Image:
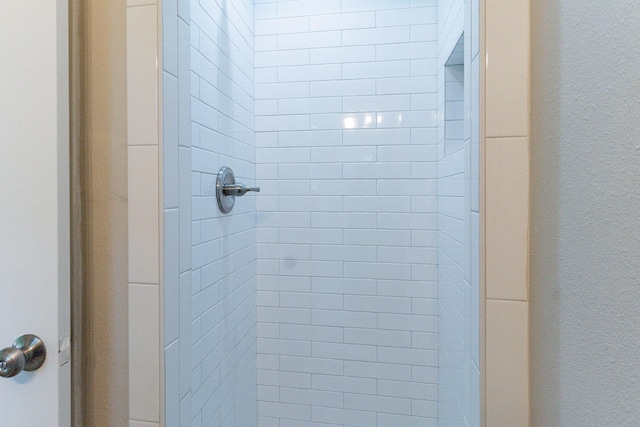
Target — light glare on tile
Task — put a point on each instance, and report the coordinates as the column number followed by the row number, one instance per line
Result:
column 349, row 123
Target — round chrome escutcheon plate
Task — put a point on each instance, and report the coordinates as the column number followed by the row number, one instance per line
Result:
column 225, row 177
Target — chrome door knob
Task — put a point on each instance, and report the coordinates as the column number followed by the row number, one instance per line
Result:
column 27, row 353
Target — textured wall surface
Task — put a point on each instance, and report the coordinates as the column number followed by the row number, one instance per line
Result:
column 346, row 153
column 585, row 237
column 105, row 335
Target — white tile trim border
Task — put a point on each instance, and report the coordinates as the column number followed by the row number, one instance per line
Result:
column 504, row 85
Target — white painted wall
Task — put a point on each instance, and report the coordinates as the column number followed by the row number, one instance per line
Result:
column 585, row 298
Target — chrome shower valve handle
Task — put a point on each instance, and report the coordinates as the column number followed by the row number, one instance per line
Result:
column 238, row 190
column 227, row 189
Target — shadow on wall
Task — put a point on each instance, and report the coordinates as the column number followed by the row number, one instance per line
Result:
column 585, row 297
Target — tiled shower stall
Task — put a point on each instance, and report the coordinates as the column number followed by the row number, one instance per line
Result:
column 345, row 293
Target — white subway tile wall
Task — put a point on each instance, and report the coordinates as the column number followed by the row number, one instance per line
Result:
column 346, row 133
column 224, row 245
column 176, row 149
column 458, row 215
column 210, row 258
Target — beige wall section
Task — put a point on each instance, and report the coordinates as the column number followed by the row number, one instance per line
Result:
column 145, row 216
column 104, row 164
column 505, row 211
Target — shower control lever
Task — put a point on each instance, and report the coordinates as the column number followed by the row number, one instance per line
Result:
column 238, row 190
column 227, row 189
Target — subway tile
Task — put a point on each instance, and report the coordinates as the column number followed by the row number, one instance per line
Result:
column 344, row 154
column 343, row 21
column 410, row 390
column 343, row 253
column 407, row 17
column 283, row 123
column 363, row 70
column 275, row 409
column 308, row 7
column 377, row 270
column 313, row 138
column 370, row 103
column 341, row 121
column 327, row 187
column 402, row 187
column 404, row 322
column 424, row 32
column 406, row 119
column 343, row 87
column 390, row 52
column 344, row 416
column 395, row 85
column 343, row 318
column 377, row 337
column 307, row 73
column 311, row 268
column 346, row 286
column 265, row 44
column 311, row 170
column 281, row 26
column 341, row 55
column 309, row 40
column 391, row 420
column 344, row 384
column 310, row 203
column 377, row 204
column 315, row 333
column 378, row 371
column 310, row 235
column 381, row 170
column 284, row 347
column 282, row 58
column 376, row 36
column 342, row 220
column 344, row 351
column 358, row 5
column 282, row 90
column 265, row 11
column 377, row 237
column 311, row 397
column 283, row 378
column 380, row 403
